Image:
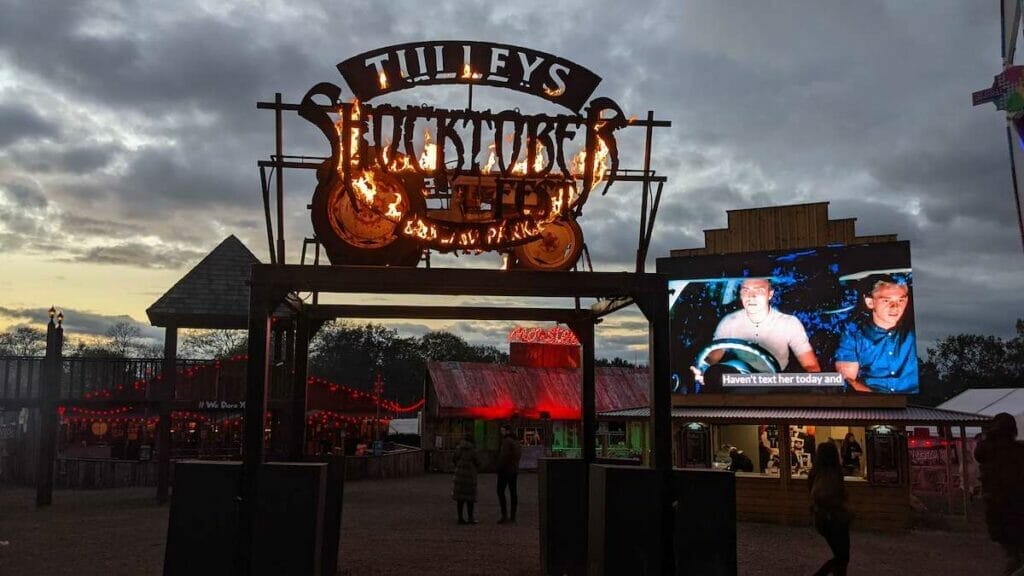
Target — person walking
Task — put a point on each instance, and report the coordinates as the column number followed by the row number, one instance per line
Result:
column 828, row 506
column 1000, row 459
column 508, row 473
column 464, row 490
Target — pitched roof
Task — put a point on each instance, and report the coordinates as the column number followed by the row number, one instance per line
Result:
column 502, row 391
column 736, row 415
column 214, row 294
column 990, row 401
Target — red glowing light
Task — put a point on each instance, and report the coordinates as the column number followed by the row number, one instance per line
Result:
column 553, row 335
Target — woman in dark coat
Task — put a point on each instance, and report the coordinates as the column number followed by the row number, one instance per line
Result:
column 464, row 489
column 828, row 504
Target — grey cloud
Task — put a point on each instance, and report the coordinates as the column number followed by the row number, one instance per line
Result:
column 138, row 255
column 19, row 122
column 25, row 194
column 76, row 160
column 863, row 104
column 80, row 322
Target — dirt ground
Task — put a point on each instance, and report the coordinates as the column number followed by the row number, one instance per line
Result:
column 407, row 526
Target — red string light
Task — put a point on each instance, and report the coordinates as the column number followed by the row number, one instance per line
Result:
column 194, row 371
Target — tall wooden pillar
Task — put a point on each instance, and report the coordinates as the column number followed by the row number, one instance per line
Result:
column 165, row 395
column 653, row 302
column 661, row 378
column 300, row 366
column 584, row 330
column 49, row 391
column 257, row 380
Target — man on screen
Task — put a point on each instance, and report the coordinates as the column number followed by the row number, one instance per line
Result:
column 765, row 326
column 878, row 351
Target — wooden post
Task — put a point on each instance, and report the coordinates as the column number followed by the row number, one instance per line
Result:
column 257, row 378
column 165, row 394
column 49, row 390
column 947, row 437
column 300, row 366
column 660, row 389
column 653, row 302
column 584, row 330
column 964, row 486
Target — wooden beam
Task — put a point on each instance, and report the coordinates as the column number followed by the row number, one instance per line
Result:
column 455, row 281
column 330, row 311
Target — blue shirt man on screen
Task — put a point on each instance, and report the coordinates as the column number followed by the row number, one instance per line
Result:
column 879, row 353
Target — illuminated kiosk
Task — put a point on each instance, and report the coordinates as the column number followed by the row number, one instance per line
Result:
column 384, row 196
column 734, row 384
column 536, row 395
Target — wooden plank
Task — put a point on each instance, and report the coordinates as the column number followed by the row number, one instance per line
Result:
column 330, row 311
column 454, row 282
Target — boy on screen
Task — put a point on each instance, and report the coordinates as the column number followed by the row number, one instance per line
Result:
column 878, row 351
column 761, row 324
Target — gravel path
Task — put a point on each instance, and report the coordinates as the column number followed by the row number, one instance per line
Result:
column 407, row 526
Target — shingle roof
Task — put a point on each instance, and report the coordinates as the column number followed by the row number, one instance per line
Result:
column 499, row 391
column 909, row 415
column 214, row 294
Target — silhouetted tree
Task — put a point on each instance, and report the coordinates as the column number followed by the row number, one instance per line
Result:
column 213, row 343
column 614, row 363
column 23, row 341
column 964, row 361
column 125, row 338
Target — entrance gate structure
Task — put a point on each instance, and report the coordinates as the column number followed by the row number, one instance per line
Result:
column 385, row 201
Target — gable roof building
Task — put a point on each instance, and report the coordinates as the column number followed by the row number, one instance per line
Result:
column 213, row 294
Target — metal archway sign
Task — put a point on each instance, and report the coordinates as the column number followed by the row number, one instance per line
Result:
column 400, row 180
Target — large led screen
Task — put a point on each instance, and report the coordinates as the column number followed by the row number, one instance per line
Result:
column 838, row 317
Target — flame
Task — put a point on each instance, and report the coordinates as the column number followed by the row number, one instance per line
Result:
column 559, row 201
column 578, row 165
column 365, row 187
column 491, row 160
column 538, row 161
column 468, row 74
column 371, row 193
column 393, row 213
column 428, row 159
column 383, row 80
column 353, row 145
column 554, row 92
column 420, row 229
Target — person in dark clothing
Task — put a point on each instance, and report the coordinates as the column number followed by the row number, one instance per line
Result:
column 464, row 488
column 851, row 455
column 828, row 506
column 1000, row 459
column 508, row 473
column 740, row 462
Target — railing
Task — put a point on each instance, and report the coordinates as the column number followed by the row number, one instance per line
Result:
column 130, row 380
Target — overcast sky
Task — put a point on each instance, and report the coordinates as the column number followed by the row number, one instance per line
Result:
column 129, row 134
